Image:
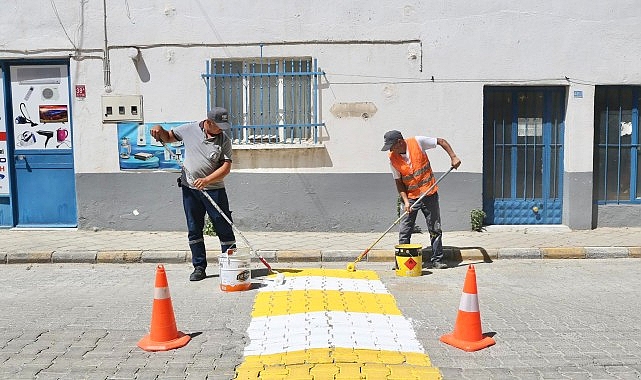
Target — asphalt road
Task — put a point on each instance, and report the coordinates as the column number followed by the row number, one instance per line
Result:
column 551, row 319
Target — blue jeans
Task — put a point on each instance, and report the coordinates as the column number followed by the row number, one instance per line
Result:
column 196, row 206
column 430, row 208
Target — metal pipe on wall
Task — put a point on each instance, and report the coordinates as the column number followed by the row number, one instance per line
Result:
column 105, row 64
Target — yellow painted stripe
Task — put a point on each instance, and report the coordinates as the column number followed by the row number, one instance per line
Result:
column 306, row 301
column 339, row 355
column 339, row 362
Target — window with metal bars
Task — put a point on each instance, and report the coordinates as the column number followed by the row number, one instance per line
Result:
column 269, row 100
column 617, row 152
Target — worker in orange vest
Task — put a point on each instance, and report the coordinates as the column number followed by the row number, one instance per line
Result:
column 413, row 176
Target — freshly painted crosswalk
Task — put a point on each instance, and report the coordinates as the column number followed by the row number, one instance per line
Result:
column 331, row 324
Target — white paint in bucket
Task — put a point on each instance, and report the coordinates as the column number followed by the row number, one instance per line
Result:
column 235, row 272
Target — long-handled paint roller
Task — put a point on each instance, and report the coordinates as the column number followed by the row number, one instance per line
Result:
column 280, row 277
column 351, row 267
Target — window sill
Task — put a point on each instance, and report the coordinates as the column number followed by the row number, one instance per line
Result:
column 276, row 146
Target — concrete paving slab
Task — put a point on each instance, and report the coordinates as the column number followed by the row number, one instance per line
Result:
column 119, row 256
column 38, row 257
column 605, row 252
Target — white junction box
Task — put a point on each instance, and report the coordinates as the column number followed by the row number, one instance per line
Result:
column 117, row 108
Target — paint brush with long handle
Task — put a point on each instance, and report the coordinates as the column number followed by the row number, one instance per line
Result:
column 351, row 267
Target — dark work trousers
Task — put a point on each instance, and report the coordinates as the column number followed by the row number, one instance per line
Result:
column 430, row 208
column 196, row 205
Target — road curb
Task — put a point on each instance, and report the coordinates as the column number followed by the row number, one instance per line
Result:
column 35, row 257
column 563, row 253
column 606, row 252
column 284, row 256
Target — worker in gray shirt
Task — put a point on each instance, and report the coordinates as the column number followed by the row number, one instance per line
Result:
column 208, row 158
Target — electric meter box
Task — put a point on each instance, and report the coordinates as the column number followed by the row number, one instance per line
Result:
column 116, row 108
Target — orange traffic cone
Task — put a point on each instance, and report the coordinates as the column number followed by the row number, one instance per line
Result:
column 467, row 333
column 164, row 335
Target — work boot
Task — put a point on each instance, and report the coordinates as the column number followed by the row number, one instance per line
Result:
column 439, row 265
column 198, row 274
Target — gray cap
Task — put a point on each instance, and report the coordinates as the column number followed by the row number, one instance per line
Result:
column 391, row 137
column 219, row 116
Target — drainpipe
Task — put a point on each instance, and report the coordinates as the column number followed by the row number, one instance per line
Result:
column 105, row 62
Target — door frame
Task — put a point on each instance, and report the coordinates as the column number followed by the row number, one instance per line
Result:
column 525, row 209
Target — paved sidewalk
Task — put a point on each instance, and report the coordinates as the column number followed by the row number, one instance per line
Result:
column 523, row 242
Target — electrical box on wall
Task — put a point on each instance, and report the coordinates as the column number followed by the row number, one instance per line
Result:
column 117, row 108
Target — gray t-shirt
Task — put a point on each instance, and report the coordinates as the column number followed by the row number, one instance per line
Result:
column 202, row 155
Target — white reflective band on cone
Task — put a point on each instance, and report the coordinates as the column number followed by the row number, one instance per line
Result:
column 161, row 293
column 469, row 303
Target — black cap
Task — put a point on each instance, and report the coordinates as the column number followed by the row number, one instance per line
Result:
column 219, row 116
column 391, row 137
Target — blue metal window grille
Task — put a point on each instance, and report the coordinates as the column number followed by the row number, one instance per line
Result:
column 617, row 151
column 269, row 100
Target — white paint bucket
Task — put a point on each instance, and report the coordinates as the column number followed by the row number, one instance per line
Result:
column 235, row 272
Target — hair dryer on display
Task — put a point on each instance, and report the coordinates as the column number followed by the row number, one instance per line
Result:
column 47, row 134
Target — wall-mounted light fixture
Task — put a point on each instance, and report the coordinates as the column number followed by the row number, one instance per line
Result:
column 135, row 54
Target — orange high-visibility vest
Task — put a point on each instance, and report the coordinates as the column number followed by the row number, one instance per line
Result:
column 417, row 177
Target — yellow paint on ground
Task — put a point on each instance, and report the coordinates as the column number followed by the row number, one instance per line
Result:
column 325, row 314
column 306, row 301
column 338, row 355
column 336, row 370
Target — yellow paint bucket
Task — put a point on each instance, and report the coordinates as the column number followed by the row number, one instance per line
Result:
column 409, row 259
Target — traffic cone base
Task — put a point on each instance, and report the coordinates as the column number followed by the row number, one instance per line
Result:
column 467, row 333
column 163, row 335
column 149, row 345
column 465, row 345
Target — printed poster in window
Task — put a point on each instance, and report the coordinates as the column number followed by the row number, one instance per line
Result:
column 138, row 150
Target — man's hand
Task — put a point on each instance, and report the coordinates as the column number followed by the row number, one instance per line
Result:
column 200, row 183
column 157, row 132
column 456, row 162
column 161, row 134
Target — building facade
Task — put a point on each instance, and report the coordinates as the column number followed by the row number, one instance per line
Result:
column 540, row 101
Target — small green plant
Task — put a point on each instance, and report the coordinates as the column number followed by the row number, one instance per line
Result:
column 209, row 229
column 476, row 218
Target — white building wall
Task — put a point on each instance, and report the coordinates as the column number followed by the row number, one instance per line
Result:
column 385, row 52
column 422, row 63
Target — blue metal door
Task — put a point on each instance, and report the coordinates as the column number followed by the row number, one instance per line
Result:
column 44, row 191
column 523, row 154
column 46, row 194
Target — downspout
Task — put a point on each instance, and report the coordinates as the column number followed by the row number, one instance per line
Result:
column 105, row 60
